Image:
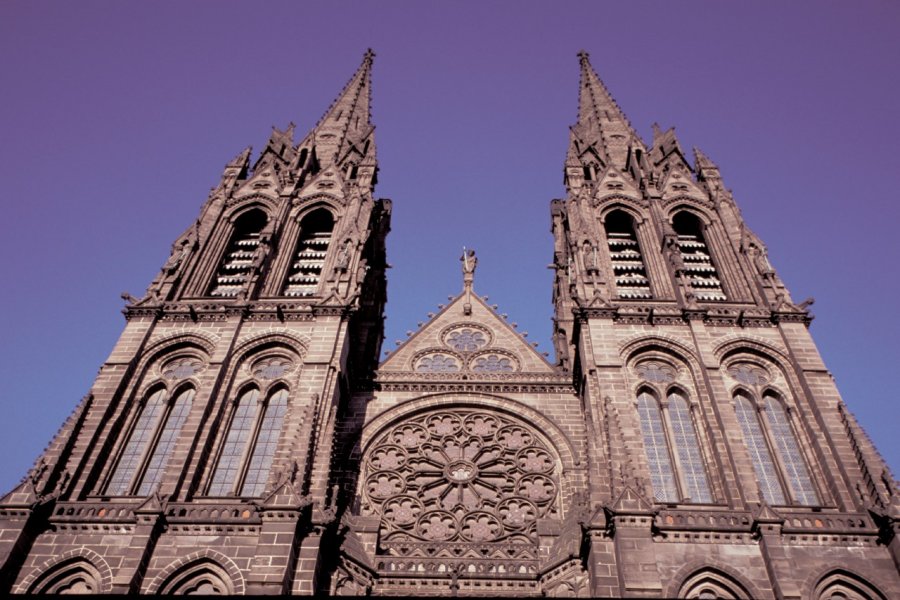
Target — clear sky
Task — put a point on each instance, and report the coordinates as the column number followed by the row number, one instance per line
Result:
column 117, row 118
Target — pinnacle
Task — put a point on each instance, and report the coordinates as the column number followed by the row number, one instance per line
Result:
column 701, row 161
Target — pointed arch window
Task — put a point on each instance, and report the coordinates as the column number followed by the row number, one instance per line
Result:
column 771, row 441
column 687, row 450
column 249, row 447
column 795, row 471
column 151, row 443
column 309, row 258
column 662, row 475
column 698, row 261
column 677, row 471
column 237, row 263
column 626, row 256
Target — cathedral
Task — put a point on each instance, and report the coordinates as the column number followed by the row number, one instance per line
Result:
column 243, row 438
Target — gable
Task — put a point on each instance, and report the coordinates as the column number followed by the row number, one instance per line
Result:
column 479, row 343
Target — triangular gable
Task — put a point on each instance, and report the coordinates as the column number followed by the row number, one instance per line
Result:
column 614, row 182
column 481, row 338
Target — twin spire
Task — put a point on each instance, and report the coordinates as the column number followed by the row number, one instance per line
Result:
column 603, row 136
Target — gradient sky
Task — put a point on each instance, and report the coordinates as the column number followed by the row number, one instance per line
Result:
column 117, row 118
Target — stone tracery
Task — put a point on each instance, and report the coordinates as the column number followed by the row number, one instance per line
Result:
column 461, row 476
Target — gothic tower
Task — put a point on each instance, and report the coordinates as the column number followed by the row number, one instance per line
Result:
column 724, row 460
column 200, row 459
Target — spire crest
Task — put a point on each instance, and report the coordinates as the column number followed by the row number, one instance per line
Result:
column 601, row 123
column 348, row 120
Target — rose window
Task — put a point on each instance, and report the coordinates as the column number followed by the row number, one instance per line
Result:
column 437, row 363
column 466, row 339
column 467, row 476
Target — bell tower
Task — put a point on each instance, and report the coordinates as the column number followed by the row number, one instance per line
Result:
column 710, row 413
column 199, row 461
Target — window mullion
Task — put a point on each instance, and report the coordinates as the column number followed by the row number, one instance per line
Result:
column 250, row 446
column 673, row 451
column 773, row 451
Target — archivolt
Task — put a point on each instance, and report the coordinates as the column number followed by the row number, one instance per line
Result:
column 821, row 585
column 630, row 348
column 222, row 567
column 736, row 342
column 555, row 436
column 207, row 342
column 694, row 576
column 298, row 343
column 71, row 559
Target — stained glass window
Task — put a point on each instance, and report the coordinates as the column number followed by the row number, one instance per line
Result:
column 662, row 476
column 266, row 443
column 493, row 363
column 137, row 443
column 437, row 363
column 466, row 339
column 166, row 443
column 690, row 460
column 796, row 472
column 755, row 440
column 239, row 431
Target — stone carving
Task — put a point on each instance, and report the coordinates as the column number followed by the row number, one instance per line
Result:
column 461, row 476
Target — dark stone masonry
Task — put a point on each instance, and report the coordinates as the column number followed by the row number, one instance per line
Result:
column 242, row 437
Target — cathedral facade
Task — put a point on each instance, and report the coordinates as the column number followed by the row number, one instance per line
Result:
column 242, row 437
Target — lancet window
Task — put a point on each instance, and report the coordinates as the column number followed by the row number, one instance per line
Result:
column 249, row 448
column 699, row 267
column 677, row 471
column 236, row 266
column 150, row 444
column 309, row 258
column 776, row 456
column 625, row 254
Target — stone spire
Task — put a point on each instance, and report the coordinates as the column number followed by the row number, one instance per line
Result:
column 346, row 125
column 602, row 129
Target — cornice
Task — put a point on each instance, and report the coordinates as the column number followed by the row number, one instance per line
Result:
column 218, row 310
column 511, row 383
column 715, row 316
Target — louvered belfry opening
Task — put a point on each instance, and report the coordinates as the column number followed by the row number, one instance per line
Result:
column 698, row 262
column 627, row 259
column 312, row 248
column 237, row 263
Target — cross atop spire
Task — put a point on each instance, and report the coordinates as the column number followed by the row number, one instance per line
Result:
column 601, row 123
column 346, row 123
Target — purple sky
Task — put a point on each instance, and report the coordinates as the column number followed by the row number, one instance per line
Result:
column 119, row 116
